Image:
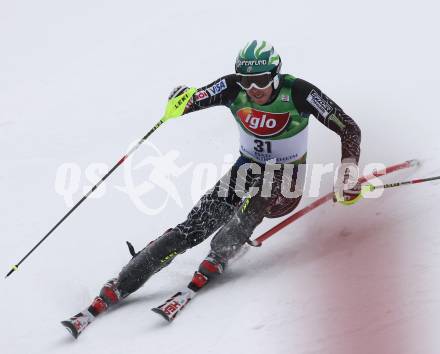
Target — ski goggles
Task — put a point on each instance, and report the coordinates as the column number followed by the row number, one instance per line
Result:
column 258, row 81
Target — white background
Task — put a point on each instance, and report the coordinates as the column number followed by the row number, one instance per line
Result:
column 80, row 80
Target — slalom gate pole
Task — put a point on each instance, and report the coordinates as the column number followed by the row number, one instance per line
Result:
column 260, row 239
column 119, row 163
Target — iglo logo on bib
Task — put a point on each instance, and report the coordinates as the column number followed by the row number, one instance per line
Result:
column 262, row 123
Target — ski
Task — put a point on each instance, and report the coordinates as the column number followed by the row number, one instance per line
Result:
column 176, row 303
column 76, row 324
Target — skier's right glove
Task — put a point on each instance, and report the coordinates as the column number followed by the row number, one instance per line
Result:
column 177, row 102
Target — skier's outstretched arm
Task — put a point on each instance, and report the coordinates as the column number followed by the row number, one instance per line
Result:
column 311, row 100
column 221, row 92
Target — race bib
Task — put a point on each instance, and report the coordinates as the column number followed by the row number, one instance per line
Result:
column 283, row 150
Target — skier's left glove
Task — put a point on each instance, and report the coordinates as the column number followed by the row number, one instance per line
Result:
column 177, row 102
column 347, row 188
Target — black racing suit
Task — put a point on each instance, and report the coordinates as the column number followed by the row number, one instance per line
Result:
column 221, row 209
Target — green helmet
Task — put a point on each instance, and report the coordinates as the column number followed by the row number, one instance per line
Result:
column 258, row 57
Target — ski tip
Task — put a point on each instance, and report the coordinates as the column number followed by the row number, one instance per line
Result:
column 162, row 314
column 70, row 328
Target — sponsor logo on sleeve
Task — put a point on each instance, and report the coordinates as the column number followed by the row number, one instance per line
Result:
column 201, row 95
column 217, row 87
column 322, row 106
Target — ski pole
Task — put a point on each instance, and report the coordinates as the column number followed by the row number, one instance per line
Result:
column 329, row 196
column 174, row 109
column 119, row 163
column 367, row 188
column 370, row 187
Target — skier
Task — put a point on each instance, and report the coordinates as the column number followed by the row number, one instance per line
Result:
column 272, row 111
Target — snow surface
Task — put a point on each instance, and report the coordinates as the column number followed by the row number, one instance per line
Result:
column 81, row 80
